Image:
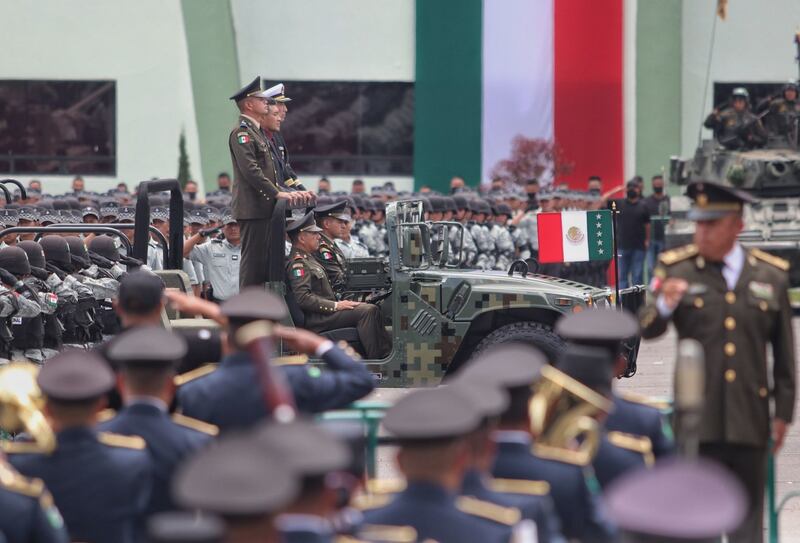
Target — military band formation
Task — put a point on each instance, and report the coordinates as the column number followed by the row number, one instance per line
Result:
column 113, row 437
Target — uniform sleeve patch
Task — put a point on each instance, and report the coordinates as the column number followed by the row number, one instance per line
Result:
column 298, row 272
column 242, row 138
column 327, row 255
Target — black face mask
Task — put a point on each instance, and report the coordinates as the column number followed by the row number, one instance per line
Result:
column 633, row 193
column 658, row 190
column 594, row 192
column 191, row 195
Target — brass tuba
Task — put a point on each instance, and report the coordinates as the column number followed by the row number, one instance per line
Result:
column 563, row 414
column 21, row 404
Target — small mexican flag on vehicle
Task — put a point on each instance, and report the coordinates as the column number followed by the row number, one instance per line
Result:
column 575, row 236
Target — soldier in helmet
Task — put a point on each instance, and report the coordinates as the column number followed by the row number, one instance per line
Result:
column 784, row 113
column 736, row 127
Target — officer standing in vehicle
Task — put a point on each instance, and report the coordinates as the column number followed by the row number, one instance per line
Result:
column 736, row 127
column 255, row 182
column 784, row 113
column 735, row 303
column 220, row 258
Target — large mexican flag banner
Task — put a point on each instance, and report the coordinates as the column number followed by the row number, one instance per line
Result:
column 575, row 236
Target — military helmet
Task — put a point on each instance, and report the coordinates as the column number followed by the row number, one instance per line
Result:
column 34, row 252
column 790, row 85
column 105, row 247
column 76, row 246
column 14, row 260
column 56, row 250
column 740, row 92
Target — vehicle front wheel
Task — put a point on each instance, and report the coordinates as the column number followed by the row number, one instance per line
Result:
column 537, row 334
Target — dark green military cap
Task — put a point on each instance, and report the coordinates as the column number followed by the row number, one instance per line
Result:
column 254, row 303
column 304, row 224
column 432, row 414
column 147, row 346
column 251, row 89
column 309, row 449
column 588, row 365
column 712, row 201
column 183, row 527
column 509, row 365
column 337, row 210
column 236, row 476
column 488, row 398
column 75, row 375
column 599, row 327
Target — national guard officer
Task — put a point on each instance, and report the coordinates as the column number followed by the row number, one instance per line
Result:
column 145, row 382
column 697, row 502
column 501, row 236
column 333, row 220
column 576, row 504
column 734, row 302
column 225, row 395
column 431, row 427
column 220, row 258
column 736, row 127
column 100, row 481
column 243, row 482
column 316, row 298
column 531, row 498
column 255, row 182
column 633, row 414
column 9, row 218
column 351, row 246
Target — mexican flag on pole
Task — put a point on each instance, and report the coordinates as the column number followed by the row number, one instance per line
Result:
column 575, row 236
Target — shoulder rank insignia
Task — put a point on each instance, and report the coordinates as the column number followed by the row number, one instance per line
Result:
column 547, row 452
column 12, row 480
column 119, row 440
column 673, row 256
column 106, row 415
column 389, row 534
column 520, row 486
column 385, row 486
column 290, row 360
column 22, row 447
column 778, row 262
column 490, row 511
column 638, row 444
column 365, row 502
column 195, row 424
column 632, row 397
column 196, row 373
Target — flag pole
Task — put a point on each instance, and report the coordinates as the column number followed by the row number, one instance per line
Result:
column 614, row 212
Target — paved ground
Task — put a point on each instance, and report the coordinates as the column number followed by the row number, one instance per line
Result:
column 654, row 378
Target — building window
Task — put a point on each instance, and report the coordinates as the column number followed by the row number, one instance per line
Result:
column 350, row 128
column 58, row 127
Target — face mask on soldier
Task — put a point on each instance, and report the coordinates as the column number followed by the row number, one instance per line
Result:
column 658, row 190
column 632, row 193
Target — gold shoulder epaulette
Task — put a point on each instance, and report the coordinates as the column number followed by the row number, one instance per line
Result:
column 520, row 486
column 196, row 373
column 365, row 502
column 673, row 256
column 291, row 360
column 12, row 480
column 488, row 510
column 347, row 539
column 119, row 440
column 776, row 261
column 21, row 447
column 106, row 414
column 195, row 424
column 639, row 444
column 388, row 534
column 661, row 405
column 385, row 486
column 547, row 452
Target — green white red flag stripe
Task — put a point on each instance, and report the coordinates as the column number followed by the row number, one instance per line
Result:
column 575, row 236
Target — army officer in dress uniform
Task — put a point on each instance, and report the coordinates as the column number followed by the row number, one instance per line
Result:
column 735, row 303
column 255, row 180
column 334, row 219
column 316, row 298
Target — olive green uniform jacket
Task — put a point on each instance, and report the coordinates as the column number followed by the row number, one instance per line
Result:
column 254, row 175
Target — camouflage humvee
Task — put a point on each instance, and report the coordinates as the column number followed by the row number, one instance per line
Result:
column 440, row 315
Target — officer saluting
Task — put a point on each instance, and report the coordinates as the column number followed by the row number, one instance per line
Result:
column 734, row 302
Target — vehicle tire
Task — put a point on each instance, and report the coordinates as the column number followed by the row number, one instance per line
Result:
column 537, row 334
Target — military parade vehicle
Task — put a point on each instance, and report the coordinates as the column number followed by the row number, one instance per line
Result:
column 771, row 174
column 441, row 315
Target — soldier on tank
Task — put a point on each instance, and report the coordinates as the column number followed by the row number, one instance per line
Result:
column 736, row 127
column 784, row 113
